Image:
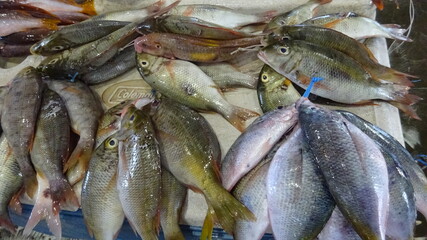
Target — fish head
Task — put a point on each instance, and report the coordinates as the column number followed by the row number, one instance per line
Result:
column 55, row 67
column 148, row 64
column 149, row 44
column 111, row 143
column 287, row 18
column 273, row 80
column 132, row 119
column 309, row 112
column 277, row 55
column 50, row 45
column 27, row 72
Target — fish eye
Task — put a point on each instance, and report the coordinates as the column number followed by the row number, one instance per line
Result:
column 264, row 78
column 283, row 50
column 53, row 61
column 286, row 38
column 132, row 117
column 144, row 63
column 282, row 22
column 158, row 46
column 111, row 143
column 57, row 48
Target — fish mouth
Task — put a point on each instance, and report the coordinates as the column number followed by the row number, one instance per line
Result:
column 263, row 57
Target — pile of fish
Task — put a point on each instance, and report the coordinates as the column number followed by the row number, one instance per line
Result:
column 303, row 170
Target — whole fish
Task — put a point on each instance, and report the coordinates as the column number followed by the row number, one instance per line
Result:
column 187, row 84
column 21, row 106
column 10, row 183
column 220, row 15
column 338, row 41
column 17, row 21
column 75, row 35
column 50, row 150
column 191, row 26
column 85, row 112
column 186, row 152
column 190, row 48
column 118, row 65
column 299, row 202
column 171, row 202
column 28, row 37
column 102, row 211
column 353, row 167
column 62, row 5
column 390, row 145
column 275, row 90
column 338, row 228
column 139, row 172
column 345, row 80
column 12, row 50
column 225, row 75
column 358, row 27
column 296, row 15
column 255, row 143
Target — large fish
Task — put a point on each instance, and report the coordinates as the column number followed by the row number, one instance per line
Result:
column 299, row 202
column 171, row 202
column 187, row 153
column 345, row 80
column 139, row 172
column 187, row 84
column 102, row 211
column 10, row 183
column 20, row 110
column 255, row 143
column 85, row 112
column 353, row 167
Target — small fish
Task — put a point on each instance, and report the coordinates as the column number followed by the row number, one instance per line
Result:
column 352, row 165
column 75, row 35
column 28, row 37
column 118, row 65
column 10, row 183
column 338, row 41
column 346, row 81
column 187, row 153
column 85, row 112
column 139, row 172
column 186, row 83
column 296, row 15
column 102, row 211
column 220, row 15
column 338, row 228
column 171, row 202
column 299, row 202
column 255, row 143
column 20, row 110
column 190, row 48
column 62, row 5
column 16, row 21
column 275, row 90
column 358, row 27
column 12, row 50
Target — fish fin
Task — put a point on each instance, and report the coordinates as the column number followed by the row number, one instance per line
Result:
column 401, row 95
column 364, row 103
column 81, row 155
column 30, row 185
column 134, row 229
column 194, row 189
column 408, row 110
column 208, row 224
column 394, row 76
column 88, row 7
column 62, row 195
column 227, row 208
column 7, row 224
column 14, row 203
column 304, row 79
column 73, row 90
column 379, row 4
column 331, row 24
column 50, row 24
column 155, row 7
column 396, row 32
column 238, row 117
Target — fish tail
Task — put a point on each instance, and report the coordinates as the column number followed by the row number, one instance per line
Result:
column 14, row 203
column 379, row 4
column 208, row 224
column 155, row 7
column 88, row 7
column 394, row 76
column 80, row 158
column 6, row 223
column 30, row 185
column 62, row 195
column 227, row 209
column 407, row 109
column 396, row 32
column 400, row 94
column 238, row 116
column 51, row 24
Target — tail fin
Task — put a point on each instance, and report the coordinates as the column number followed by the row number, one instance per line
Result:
column 50, row 24
column 62, row 195
column 227, row 208
column 408, row 110
column 6, row 223
column 396, row 32
column 400, row 94
column 208, row 224
column 394, row 76
column 30, row 185
column 15, row 204
column 379, row 4
column 238, row 116
column 80, row 157
column 88, row 7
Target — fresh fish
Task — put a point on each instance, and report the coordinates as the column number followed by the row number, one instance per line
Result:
column 118, row 65
column 27, row 37
column 85, row 112
column 220, row 15
column 187, row 84
column 255, row 143
column 191, row 26
column 139, row 172
column 353, row 167
column 275, row 90
column 21, row 106
column 102, row 211
column 190, row 48
column 50, row 151
column 390, row 145
column 17, row 21
column 75, row 35
column 338, row 228
column 171, row 202
column 338, row 41
column 62, row 5
column 345, row 80
column 225, row 75
column 358, row 27
column 299, row 202
column 10, row 183
column 12, row 50
column 296, row 15
column 186, row 152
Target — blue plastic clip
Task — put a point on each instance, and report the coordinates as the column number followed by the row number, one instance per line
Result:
column 312, row 82
column 419, row 159
column 73, row 78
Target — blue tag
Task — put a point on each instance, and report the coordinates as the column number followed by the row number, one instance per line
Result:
column 312, row 82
